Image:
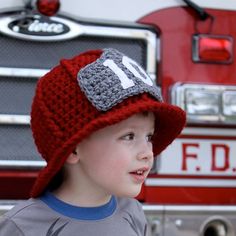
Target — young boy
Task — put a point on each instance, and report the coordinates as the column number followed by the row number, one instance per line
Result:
column 98, row 120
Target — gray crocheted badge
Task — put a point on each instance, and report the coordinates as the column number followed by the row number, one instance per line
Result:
column 112, row 78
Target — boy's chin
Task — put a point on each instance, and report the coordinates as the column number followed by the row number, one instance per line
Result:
column 132, row 193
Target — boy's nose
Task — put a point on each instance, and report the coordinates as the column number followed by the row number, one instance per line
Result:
column 145, row 152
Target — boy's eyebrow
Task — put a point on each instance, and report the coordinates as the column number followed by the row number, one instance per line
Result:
column 134, row 126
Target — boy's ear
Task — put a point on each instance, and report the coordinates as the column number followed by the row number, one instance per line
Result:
column 73, row 158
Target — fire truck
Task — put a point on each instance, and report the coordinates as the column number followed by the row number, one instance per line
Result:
column 187, row 47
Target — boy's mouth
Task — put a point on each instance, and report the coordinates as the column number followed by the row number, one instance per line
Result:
column 140, row 174
column 140, row 171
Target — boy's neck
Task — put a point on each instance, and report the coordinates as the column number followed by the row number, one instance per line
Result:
column 77, row 198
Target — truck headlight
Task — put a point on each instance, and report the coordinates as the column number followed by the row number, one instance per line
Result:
column 206, row 103
column 202, row 102
column 229, row 103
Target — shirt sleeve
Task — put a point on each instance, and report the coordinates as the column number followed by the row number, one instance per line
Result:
column 8, row 227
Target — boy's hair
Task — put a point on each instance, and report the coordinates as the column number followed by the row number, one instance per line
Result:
column 93, row 90
column 56, row 180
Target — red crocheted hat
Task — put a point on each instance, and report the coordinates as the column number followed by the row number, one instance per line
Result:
column 89, row 92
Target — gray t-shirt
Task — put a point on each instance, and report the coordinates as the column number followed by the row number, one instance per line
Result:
column 49, row 216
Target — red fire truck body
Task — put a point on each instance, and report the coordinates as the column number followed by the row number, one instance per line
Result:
column 188, row 48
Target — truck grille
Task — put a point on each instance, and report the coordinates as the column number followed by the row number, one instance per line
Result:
column 31, row 54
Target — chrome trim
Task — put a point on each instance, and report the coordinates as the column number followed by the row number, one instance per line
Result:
column 189, row 208
column 216, row 132
column 6, row 205
column 22, row 164
column 226, row 183
column 14, row 119
column 22, row 72
column 153, row 207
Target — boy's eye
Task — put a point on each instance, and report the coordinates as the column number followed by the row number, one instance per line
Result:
column 129, row 136
column 150, row 138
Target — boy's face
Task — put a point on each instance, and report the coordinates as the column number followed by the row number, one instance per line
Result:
column 117, row 159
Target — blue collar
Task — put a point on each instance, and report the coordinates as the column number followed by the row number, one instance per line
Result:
column 79, row 213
